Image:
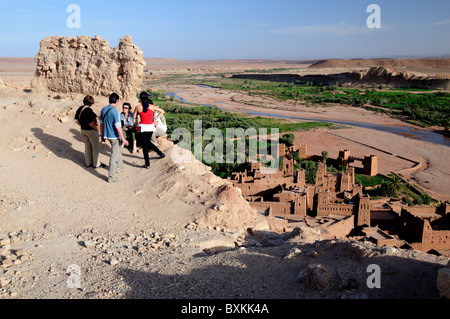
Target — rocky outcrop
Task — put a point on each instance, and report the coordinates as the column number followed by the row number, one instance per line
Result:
column 231, row 210
column 88, row 66
column 386, row 74
column 219, row 203
column 398, row 77
column 379, row 75
column 1, row 83
column 387, row 63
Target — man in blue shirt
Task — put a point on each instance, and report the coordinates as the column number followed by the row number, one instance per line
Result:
column 111, row 129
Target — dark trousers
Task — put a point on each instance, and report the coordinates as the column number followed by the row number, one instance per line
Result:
column 147, row 145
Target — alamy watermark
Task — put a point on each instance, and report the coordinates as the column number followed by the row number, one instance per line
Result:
column 74, row 280
column 230, row 148
column 374, row 20
column 374, row 279
column 74, row 20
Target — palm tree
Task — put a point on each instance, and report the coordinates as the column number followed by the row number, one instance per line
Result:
column 310, row 172
column 392, row 186
column 324, row 156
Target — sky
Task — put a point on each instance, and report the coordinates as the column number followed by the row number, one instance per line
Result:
column 236, row 29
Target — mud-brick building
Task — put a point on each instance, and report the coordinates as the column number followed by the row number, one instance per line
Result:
column 288, row 196
column 257, row 180
column 381, row 237
column 286, row 151
column 427, row 228
column 369, row 162
column 335, row 182
column 359, row 207
column 292, row 204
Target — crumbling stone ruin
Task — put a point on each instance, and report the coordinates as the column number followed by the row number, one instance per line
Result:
column 89, row 66
column 337, row 206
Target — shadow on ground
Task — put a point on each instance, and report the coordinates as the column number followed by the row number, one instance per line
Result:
column 105, row 149
column 264, row 273
column 63, row 149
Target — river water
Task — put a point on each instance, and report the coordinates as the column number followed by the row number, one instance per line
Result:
column 409, row 132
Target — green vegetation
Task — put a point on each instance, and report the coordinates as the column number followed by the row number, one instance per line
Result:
column 395, row 187
column 182, row 115
column 310, row 169
column 324, row 156
column 287, row 139
column 369, row 181
column 426, row 108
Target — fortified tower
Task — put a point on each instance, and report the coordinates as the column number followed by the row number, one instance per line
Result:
column 344, row 155
column 370, row 164
column 363, row 210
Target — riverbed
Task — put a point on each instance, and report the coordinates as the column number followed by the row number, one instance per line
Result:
column 403, row 130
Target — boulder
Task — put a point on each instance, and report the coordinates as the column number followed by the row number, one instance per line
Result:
column 317, row 277
column 304, row 234
column 89, row 66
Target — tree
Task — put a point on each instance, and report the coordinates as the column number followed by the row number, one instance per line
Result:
column 310, row 172
column 324, row 156
column 417, row 200
column 288, row 139
column 392, row 186
column 426, row 199
column 296, row 157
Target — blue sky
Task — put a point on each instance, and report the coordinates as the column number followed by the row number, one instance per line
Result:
column 237, row 29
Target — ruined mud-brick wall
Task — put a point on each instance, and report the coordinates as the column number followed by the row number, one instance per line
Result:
column 419, row 233
column 337, row 229
column 89, row 66
column 434, row 239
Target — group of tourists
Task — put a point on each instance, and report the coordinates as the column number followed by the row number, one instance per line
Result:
column 124, row 129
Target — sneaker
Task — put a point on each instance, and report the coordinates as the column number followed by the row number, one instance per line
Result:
column 100, row 166
column 162, row 155
column 113, row 179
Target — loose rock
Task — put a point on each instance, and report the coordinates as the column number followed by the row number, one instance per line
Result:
column 317, row 277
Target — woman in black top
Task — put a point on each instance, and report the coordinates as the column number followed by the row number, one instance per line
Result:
column 87, row 119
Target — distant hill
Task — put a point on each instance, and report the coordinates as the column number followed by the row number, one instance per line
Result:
column 387, row 63
column 156, row 61
column 161, row 61
column 17, row 61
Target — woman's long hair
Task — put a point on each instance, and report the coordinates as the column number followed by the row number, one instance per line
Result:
column 145, row 100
